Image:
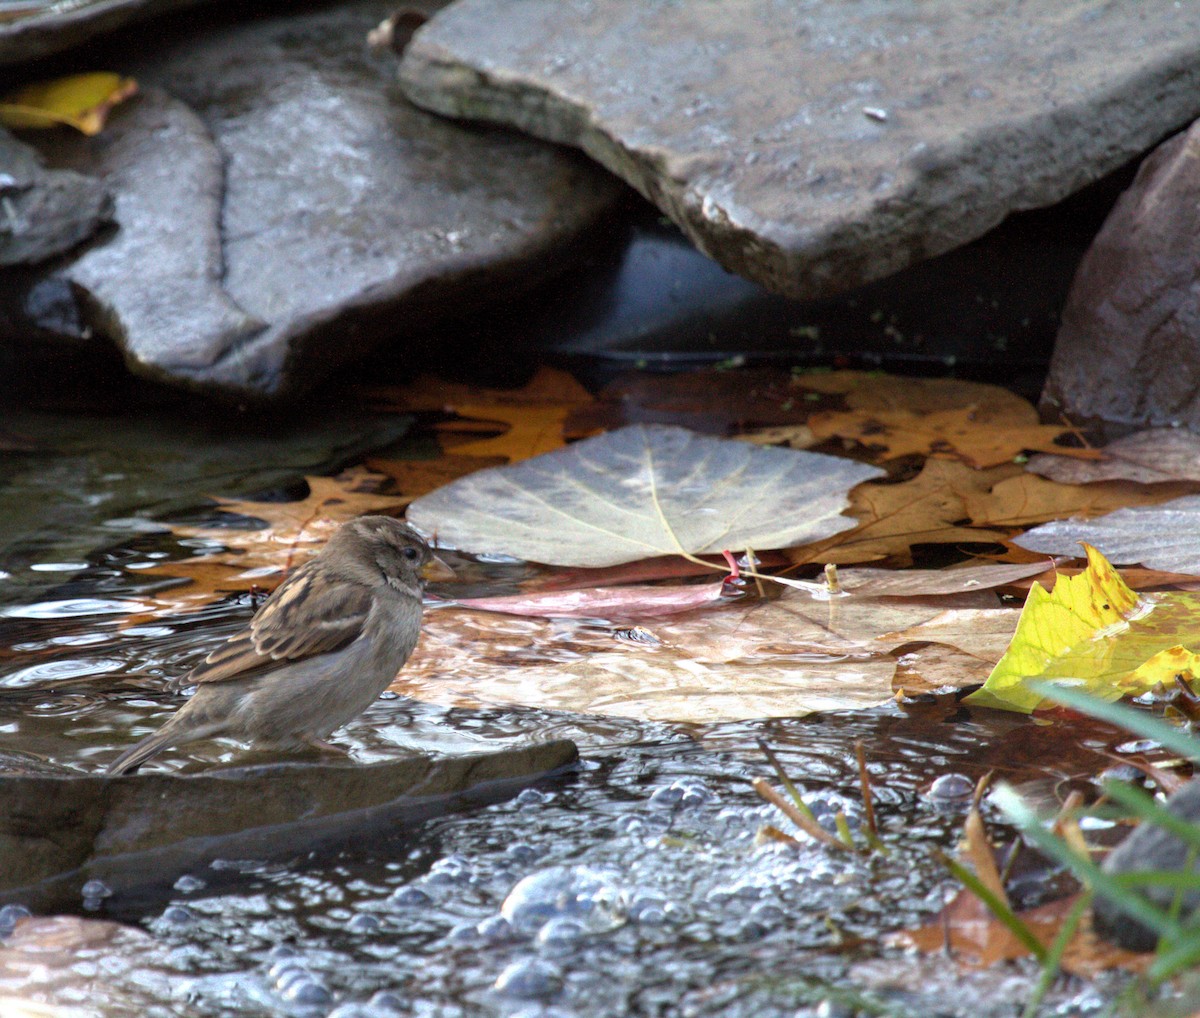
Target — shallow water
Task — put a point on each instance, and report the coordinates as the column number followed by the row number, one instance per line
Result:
column 636, row 885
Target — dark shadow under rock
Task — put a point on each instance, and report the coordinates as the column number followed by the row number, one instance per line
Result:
column 56, row 833
column 65, row 25
column 298, row 212
column 44, row 212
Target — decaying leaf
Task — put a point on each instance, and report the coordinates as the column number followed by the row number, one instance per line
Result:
column 81, row 101
column 530, row 417
column 780, row 657
column 710, row 401
column 1147, row 457
column 932, row 582
column 967, row 932
column 1165, row 536
column 643, row 491
column 1092, row 631
column 953, row 433
column 642, row 602
column 1026, row 500
column 929, row 509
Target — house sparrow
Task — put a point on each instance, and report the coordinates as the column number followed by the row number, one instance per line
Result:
column 317, row 653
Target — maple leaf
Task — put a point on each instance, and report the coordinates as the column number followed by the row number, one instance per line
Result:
column 952, row 433
column 533, row 414
column 929, row 509
column 1027, row 499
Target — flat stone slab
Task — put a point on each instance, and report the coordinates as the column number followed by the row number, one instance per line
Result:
column 812, row 147
column 283, row 210
column 57, row 832
column 38, row 32
column 1128, row 350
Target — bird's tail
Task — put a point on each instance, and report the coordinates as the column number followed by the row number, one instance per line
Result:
column 169, row 735
column 135, row 756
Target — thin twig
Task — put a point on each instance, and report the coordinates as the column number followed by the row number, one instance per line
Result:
column 864, row 780
column 809, row 827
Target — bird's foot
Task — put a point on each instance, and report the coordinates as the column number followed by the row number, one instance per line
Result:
column 321, row 746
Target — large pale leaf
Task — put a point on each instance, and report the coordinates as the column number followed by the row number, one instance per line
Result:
column 1165, row 536
column 780, row 657
column 643, row 491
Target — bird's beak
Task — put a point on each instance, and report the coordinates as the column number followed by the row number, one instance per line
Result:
column 436, row 571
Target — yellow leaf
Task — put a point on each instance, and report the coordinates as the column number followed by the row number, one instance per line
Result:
column 82, row 101
column 1163, row 668
column 1080, row 632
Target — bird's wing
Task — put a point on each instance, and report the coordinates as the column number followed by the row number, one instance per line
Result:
column 310, row 613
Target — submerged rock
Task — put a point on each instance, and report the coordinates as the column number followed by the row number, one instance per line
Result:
column 812, row 147
column 58, row 834
column 1128, row 352
column 282, row 210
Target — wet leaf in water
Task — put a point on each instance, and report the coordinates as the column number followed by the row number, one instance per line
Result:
column 975, row 938
column 532, row 415
column 259, row 558
column 1027, row 499
column 760, row 658
column 1094, row 632
column 932, row 582
column 81, row 101
column 1165, row 536
column 643, row 491
column 711, row 401
column 929, row 509
column 1147, row 457
column 605, row 602
column 951, row 433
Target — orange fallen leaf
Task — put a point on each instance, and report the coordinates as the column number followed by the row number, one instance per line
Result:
column 532, row 416
column 1028, row 499
column 929, row 509
column 956, row 433
column 81, row 101
column 976, row 939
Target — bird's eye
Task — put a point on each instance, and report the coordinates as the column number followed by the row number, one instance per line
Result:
column 411, row 554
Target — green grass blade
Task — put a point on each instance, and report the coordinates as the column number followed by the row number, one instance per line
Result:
column 1053, row 960
column 1087, row 871
column 999, row 908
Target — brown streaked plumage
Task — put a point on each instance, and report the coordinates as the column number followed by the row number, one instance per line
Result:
column 318, row 652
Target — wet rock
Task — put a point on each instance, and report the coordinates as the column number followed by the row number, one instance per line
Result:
column 297, row 211
column 44, row 212
column 1128, row 351
column 59, row 835
column 1152, row 848
column 156, row 285
column 65, row 25
column 813, row 147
